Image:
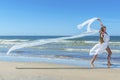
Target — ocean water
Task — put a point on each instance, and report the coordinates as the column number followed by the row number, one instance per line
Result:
column 72, row 49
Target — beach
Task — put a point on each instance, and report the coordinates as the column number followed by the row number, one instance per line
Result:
column 63, row 60
column 56, row 40
column 50, row 71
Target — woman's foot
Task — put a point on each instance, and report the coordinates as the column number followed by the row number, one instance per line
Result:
column 92, row 60
column 92, row 65
column 109, row 64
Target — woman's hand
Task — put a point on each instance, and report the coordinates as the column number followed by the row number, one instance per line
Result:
column 101, row 24
column 98, row 19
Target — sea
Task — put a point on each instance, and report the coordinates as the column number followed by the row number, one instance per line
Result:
column 70, row 51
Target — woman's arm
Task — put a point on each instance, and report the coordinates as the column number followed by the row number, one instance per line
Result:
column 100, row 22
column 102, row 34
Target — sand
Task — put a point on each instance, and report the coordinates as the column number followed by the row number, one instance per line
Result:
column 48, row 71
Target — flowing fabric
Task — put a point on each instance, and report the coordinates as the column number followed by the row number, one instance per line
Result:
column 100, row 48
column 88, row 23
column 46, row 41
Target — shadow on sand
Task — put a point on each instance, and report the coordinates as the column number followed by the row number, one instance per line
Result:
column 60, row 68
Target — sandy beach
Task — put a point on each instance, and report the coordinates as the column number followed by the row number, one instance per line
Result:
column 48, row 71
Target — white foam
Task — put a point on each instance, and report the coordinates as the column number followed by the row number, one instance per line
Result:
column 87, row 50
column 91, row 41
column 76, row 50
column 11, row 42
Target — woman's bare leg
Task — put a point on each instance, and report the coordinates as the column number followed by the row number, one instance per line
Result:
column 109, row 55
column 93, row 59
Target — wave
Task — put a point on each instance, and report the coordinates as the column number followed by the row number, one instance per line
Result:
column 76, row 50
column 87, row 50
column 84, row 41
column 11, row 42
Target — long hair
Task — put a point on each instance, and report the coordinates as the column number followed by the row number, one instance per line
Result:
column 101, row 37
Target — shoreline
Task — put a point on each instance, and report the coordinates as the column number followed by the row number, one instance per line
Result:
column 51, row 71
column 60, row 61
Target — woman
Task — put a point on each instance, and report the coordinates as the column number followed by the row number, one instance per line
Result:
column 101, row 46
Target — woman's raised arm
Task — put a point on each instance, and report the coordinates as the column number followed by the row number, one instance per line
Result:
column 100, row 22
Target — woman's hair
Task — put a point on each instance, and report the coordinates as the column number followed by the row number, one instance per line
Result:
column 101, row 37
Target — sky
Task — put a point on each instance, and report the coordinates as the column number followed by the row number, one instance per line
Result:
column 56, row 17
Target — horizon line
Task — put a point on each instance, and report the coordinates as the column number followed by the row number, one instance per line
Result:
column 50, row 35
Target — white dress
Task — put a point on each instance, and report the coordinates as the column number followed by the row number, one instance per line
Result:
column 99, row 48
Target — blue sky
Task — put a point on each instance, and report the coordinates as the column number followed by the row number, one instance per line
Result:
column 56, row 17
